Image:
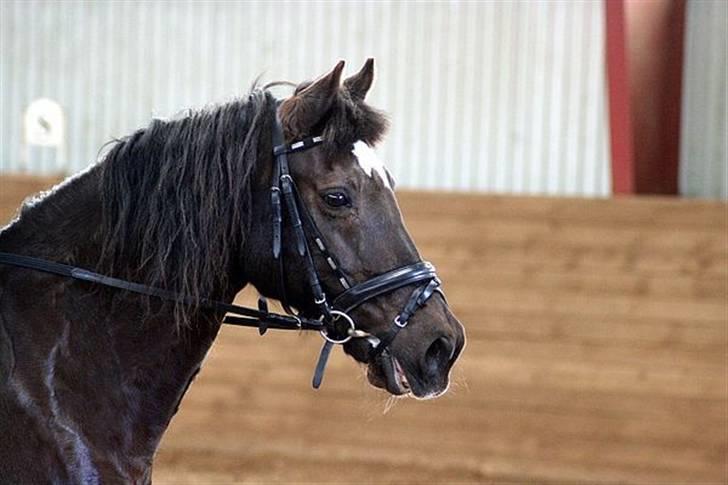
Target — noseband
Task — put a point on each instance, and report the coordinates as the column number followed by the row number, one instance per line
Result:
column 333, row 321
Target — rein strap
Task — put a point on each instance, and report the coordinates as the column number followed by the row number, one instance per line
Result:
column 252, row 317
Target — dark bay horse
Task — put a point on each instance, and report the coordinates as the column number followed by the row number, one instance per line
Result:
column 90, row 376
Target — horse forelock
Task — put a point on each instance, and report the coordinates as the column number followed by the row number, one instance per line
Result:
column 350, row 121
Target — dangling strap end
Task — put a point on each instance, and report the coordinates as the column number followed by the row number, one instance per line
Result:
column 263, row 308
column 262, row 304
column 301, row 246
column 318, row 375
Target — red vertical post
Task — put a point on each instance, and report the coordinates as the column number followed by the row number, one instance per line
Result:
column 655, row 53
column 644, row 70
column 620, row 119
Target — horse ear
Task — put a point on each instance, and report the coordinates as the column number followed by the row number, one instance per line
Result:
column 305, row 109
column 358, row 85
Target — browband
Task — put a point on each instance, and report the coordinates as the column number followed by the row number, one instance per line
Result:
column 303, row 144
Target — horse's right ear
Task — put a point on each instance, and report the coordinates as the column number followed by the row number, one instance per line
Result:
column 305, row 109
column 358, row 85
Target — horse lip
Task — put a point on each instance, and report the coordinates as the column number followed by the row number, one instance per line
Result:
column 400, row 376
column 391, row 376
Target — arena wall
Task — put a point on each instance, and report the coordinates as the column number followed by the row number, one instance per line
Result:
column 483, row 96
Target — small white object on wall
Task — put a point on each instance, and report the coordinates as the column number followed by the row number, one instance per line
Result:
column 44, row 125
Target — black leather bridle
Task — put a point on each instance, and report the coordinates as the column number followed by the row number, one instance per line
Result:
column 333, row 320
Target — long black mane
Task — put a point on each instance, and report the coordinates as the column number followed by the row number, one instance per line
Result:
column 177, row 197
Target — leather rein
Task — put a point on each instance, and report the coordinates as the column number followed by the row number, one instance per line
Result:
column 333, row 322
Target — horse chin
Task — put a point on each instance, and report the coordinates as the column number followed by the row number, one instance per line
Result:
column 385, row 372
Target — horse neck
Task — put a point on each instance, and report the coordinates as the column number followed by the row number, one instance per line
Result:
column 110, row 374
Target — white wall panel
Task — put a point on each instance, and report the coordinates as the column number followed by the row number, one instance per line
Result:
column 486, row 96
column 704, row 140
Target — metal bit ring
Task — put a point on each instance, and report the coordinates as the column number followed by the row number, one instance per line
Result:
column 348, row 319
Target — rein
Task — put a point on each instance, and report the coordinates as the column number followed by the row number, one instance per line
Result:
column 333, row 323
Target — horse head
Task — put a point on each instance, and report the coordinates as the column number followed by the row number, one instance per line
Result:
column 348, row 196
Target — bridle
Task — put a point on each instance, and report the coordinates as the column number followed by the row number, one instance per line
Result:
column 333, row 320
column 336, row 313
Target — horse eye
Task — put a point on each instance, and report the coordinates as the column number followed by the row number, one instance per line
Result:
column 336, row 199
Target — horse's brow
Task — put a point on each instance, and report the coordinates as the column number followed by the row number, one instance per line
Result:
column 370, row 162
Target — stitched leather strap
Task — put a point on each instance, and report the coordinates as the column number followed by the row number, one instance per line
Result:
column 417, row 300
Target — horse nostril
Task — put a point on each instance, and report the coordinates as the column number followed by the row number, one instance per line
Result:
column 438, row 355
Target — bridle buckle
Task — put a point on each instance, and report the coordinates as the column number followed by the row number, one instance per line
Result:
column 399, row 323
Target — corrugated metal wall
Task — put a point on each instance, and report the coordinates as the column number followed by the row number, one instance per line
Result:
column 489, row 96
column 704, row 141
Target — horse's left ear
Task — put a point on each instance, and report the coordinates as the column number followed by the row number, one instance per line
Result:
column 358, row 85
column 305, row 109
